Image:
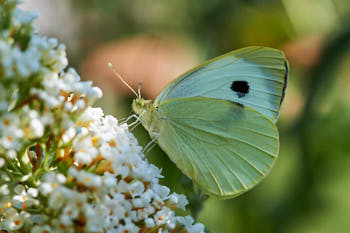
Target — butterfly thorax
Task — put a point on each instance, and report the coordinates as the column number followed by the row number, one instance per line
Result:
column 150, row 118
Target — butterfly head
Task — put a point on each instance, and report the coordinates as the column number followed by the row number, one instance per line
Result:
column 139, row 105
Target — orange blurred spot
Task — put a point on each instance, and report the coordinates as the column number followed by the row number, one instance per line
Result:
column 112, row 143
column 94, row 140
column 7, row 205
column 292, row 104
column 153, row 60
column 305, row 51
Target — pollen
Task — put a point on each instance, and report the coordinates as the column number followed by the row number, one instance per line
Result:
column 94, row 140
column 17, row 222
column 87, row 179
column 24, row 207
column 112, row 143
column 64, row 94
column 7, row 205
column 6, row 122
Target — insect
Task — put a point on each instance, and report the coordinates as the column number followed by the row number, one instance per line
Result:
column 216, row 122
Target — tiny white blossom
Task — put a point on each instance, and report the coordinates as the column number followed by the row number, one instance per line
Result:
column 4, row 190
column 41, row 229
column 163, row 216
column 150, row 222
column 37, row 127
column 179, row 200
column 68, row 135
column 188, row 222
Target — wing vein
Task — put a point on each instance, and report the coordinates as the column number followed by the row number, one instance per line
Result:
column 232, row 172
column 267, row 92
column 203, row 162
column 180, row 139
column 232, row 138
column 249, row 163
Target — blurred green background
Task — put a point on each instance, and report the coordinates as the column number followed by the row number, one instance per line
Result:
column 154, row 41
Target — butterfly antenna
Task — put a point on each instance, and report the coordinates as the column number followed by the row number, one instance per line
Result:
column 120, row 77
column 139, row 90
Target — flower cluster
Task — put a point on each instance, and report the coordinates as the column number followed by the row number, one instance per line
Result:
column 64, row 166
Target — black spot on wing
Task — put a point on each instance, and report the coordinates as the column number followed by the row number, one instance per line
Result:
column 285, row 81
column 240, row 87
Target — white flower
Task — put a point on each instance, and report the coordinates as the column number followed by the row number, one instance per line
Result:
column 163, row 216
column 4, row 190
column 149, row 222
column 72, row 168
column 97, row 217
column 109, row 180
column 41, row 229
column 92, row 114
column 23, row 196
column 24, row 17
column 161, row 190
column 86, row 178
column 128, row 227
column 50, row 182
column 136, row 188
column 137, row 203
column 179, row 200
column 37, row 127
column 68, row 135
column 11, row 154
column 188, row 221
column 15, row 220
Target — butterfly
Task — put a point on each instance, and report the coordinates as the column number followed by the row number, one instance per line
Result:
column 216, row 122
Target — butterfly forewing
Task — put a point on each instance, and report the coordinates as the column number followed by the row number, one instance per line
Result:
column 224, row 147
column 253, row 76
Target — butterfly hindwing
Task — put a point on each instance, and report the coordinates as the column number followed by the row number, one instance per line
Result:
column 224, row 147
column 253, row 76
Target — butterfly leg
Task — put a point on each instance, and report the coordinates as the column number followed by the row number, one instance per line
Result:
column 137, row 121
column 149, row 146
column 149, row 149
column 133, row 116
column 134, row 126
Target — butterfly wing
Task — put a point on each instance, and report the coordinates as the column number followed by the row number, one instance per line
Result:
column 224, row 147
column 253, row 76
